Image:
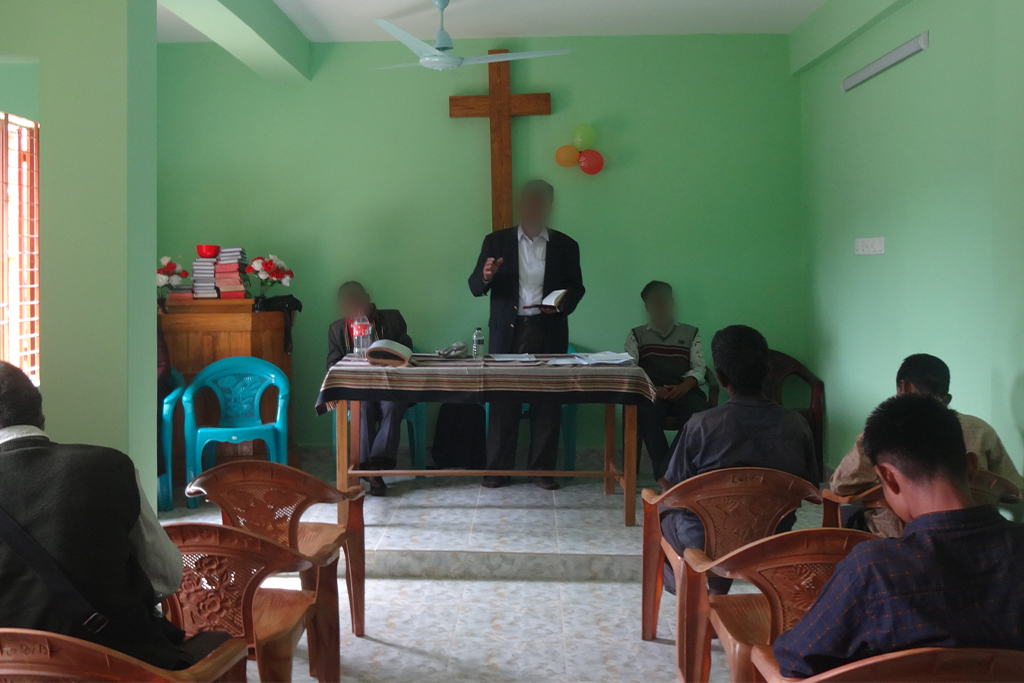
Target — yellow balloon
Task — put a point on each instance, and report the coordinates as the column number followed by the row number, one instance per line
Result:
column 567, row 155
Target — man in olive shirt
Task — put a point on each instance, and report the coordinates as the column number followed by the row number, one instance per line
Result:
column 919, row 373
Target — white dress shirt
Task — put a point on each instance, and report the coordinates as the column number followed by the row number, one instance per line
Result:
column 532, row 258
column 155, row 552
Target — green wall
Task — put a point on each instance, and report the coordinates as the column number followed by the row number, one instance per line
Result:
column 361, row 174
column 19, row 88
column 928, row 155
column 97, row 73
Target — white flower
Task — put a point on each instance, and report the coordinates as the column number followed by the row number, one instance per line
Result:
column 165, row 260
column 272, row 258
column 286, row 281
column 174, row 280
column 161, row 280
column 263, row 275
column 257, row 265
column 280, row 264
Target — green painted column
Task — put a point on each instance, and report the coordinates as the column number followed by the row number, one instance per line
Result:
column 97, row 88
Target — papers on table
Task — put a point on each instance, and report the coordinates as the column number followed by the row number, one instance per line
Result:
column 600, row 358
column 605, row 358
column 512, row 357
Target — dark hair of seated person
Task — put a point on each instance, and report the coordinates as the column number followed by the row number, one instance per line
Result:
column 353, row 285
column 740, row 354
column 654, row 286
column 919, row 436
column 926, row 372
column 20, row 400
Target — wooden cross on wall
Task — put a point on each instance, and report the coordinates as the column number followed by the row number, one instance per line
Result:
column 500, row 105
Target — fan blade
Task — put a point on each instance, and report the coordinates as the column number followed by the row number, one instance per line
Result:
column 510, row 56
column 396, row 66
column 410, row 41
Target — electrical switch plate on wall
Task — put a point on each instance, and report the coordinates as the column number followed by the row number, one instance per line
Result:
column 869, row 245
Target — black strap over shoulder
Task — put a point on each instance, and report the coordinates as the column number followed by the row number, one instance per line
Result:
column 46, row 568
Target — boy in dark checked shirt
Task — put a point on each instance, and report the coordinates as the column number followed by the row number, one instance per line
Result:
column 952, row 579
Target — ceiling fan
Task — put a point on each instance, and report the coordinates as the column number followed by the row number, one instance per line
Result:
column 438, row 57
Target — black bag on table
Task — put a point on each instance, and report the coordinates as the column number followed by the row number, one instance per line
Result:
column 460, row 440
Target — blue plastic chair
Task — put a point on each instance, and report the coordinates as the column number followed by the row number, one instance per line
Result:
column 569, row 419
column 165, row 492
column 238, row 383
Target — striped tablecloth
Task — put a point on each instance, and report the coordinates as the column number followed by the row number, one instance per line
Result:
column 430, row 378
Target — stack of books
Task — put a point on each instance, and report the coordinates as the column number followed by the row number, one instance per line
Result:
column 180, row 293
column 204, row 278
column 231, row 264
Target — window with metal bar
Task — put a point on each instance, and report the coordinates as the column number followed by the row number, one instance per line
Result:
column 19, row 243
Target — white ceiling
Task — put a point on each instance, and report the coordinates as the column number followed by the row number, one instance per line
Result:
column 348, row 20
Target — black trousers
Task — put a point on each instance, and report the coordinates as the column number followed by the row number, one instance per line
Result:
column 531, row 336
column 380, row 432
column 651, row 418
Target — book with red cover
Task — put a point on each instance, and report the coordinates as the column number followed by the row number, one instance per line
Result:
column 233, row 295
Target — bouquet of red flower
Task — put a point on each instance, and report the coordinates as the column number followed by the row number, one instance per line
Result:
column 267, row 271
column 168, row 275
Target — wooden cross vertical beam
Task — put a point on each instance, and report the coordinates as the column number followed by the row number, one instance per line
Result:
column 500, row 105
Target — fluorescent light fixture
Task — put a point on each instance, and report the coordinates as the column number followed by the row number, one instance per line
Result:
column 908, row 49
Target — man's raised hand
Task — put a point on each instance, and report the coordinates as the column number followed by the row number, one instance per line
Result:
column 491, row 267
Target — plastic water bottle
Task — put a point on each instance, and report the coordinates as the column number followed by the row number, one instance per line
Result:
column 362, row 336
column 478, row 342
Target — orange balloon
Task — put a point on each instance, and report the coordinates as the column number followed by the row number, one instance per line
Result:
column 567, row 155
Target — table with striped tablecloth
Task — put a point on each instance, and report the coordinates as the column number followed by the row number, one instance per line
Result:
column 430, row 378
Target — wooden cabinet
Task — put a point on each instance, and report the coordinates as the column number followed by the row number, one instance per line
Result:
column 200, row 332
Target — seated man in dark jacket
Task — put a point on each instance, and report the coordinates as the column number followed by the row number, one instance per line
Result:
column 381, row 420
column 749, row 430
column 85, row 507
column 952, row 579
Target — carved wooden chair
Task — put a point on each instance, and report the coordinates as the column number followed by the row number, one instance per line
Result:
column 789, row 569
column 270, row 499
column 220, row 591
column 782, row 366
column 986, row 488
column 920, row 665
column 27, row 655
column 736, row 506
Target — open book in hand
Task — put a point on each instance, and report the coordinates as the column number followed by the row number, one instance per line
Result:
column 554, row 299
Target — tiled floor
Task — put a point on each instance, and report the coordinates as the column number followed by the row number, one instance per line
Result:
column 513, row 584
column 423, row 630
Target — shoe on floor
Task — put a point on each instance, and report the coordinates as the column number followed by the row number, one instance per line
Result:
column 377, row 486
column 546, row 483
column 495, row 482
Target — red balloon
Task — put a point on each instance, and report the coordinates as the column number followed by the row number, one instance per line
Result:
column 591, row 162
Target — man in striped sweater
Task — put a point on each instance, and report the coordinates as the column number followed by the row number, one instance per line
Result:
column 671, row 355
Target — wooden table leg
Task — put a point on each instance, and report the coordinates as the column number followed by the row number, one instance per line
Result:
column 629, row 462
column 341, row 455
column 354, row 434
column 609, row 447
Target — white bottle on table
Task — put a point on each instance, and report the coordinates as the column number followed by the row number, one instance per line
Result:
column 362, row 336
column 478, row 342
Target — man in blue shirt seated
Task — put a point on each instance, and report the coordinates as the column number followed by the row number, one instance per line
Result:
column 747, row 431
column 953, row 579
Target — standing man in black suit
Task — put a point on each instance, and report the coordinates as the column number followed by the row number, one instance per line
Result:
column 520, row 266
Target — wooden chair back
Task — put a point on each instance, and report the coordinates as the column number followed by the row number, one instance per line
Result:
column 791, row 568
column 782, row 366
column 987, row 487
column 739, row 505
column 223, row 568
column 266, row 498
column 27, row 655
column 920, row 665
